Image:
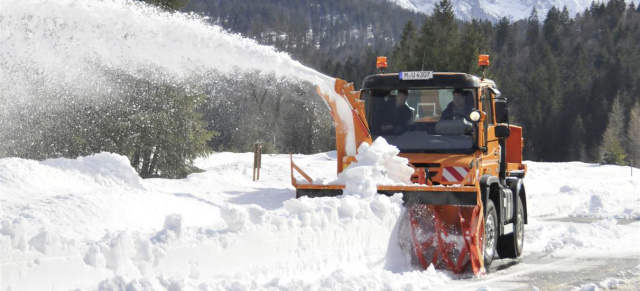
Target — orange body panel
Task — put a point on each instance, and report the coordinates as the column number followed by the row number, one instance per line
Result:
column 514, row 145
column 436, row 163
column 356, row 106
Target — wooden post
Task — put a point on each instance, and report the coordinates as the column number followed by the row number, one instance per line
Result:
column 257, row 160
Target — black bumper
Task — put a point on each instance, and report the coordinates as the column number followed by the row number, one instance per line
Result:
column 409, row 197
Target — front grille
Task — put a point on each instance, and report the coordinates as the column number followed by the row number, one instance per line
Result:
column 414, row 177
column 426, row 165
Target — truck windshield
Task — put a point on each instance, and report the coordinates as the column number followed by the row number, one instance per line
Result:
column 423, row 120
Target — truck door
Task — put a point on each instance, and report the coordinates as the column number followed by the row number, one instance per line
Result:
column 492, row 155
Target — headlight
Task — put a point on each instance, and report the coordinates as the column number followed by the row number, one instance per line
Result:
column 474, row 116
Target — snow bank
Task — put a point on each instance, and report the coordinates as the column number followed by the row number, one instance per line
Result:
column 81, row 198
column 296, row 244
column 15, row 231
column 221, row 230
column 332, row 243
column 106, row 169
column 583, row 190
column 103, row 170
column 562, row 238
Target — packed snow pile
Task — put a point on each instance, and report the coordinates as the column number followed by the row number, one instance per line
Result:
column 98, row 171
column 80, row 225
column 376, row 164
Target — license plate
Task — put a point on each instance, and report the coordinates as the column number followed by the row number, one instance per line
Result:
column 416, row 75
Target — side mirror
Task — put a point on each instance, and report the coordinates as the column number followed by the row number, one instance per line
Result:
column 502, row 112
column 502, row 131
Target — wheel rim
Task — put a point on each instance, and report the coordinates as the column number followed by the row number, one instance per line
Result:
column 489, row 236
column 520, row 229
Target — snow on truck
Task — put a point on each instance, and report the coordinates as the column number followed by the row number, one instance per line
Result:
column 467, row 204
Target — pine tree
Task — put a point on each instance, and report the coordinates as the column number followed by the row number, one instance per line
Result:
column 405, row 55
column 551, row 28
column 472, row 43
column 166, row 130
column 633, row 134
column 503, row 33
column 533, row 28
column 439, row 39
column 577, row 148
column 614, row 11
column 564, row 16
column 545, row 81
column 611, row 150
column 597, row 9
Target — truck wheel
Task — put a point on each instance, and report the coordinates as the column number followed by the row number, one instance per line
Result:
column 490, row 233
column 510, row 245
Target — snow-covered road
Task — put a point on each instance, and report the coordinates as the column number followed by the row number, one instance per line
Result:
column 579, row 269
column 91, row 223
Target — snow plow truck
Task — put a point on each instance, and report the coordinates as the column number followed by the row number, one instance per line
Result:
column 467, row 204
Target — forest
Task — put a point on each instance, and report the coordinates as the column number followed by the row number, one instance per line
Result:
column 572, row 82
column 337, row 37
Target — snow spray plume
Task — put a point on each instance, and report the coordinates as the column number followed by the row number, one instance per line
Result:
column 73, row 55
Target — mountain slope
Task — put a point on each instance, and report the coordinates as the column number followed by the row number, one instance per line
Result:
column 493, row 10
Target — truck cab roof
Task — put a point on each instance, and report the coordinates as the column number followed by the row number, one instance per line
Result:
column 392, row 81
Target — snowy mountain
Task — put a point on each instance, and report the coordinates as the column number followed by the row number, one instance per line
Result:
column 495, row 9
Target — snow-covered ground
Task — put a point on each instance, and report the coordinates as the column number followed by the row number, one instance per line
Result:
column 91, row 223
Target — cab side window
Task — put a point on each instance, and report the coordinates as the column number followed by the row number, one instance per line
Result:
column 486, row 106
column 488, row 109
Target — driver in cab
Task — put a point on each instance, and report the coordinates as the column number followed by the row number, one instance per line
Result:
column 457, row 109
column 398, row 115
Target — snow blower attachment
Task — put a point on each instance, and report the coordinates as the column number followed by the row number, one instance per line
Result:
column 467, row 203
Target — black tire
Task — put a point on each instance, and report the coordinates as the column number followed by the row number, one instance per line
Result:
column 490, row 239
column 510, row 245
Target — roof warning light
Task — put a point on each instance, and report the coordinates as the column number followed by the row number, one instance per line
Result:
column 483, row 60
column 381, row 64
